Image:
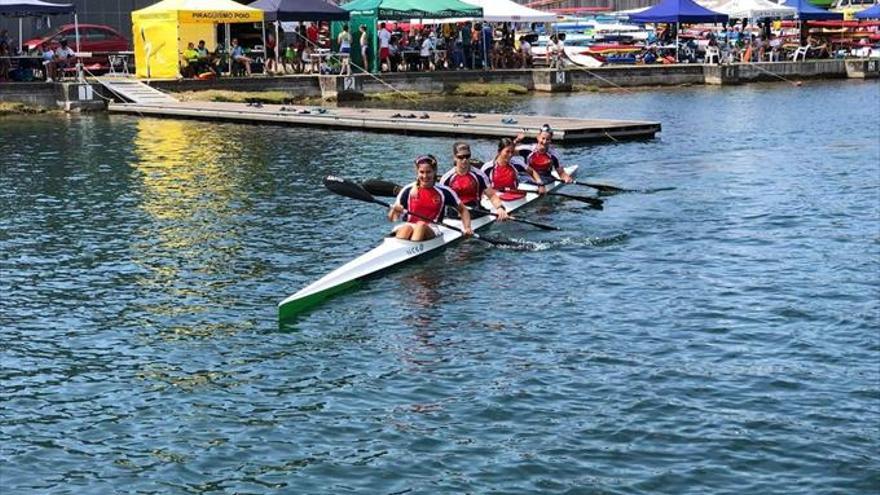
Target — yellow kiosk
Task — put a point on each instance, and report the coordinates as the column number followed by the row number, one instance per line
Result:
column 161, row 31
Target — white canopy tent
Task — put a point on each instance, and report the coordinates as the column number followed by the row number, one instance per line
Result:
column 755, row 9
column 498, row 11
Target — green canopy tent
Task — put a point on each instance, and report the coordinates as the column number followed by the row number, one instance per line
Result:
column 369, row 12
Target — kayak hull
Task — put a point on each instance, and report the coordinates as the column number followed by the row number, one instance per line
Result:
column 390, row 253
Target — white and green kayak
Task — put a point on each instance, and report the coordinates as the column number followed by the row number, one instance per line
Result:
column 390, row 253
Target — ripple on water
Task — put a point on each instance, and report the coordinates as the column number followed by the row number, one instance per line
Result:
column 716, row 337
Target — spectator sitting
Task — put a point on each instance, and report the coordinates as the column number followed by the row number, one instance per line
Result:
column 191, row 58
column 64, row 57
column 818, row 50
column 206, row 61
column 292, row 60
column 311, row 64
column 239, row 56
column 395, row 59
column 48, row 57
column 5, row 65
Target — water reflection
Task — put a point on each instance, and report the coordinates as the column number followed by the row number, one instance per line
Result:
column 421, row 293
column 196, row 201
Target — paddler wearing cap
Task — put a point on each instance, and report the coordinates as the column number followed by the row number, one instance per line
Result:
column 543, row 158
column 425, row 199
column 470, row 183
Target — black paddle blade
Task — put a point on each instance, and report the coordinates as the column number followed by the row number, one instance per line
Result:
column 348, row 189
column 605, row 188
column 380, row 187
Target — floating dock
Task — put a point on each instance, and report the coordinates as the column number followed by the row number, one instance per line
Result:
column 397, row 121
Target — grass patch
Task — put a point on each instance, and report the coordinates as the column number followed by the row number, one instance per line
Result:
column 394, row 95
column 269, row 97
column 489, row 89
column 16, row 108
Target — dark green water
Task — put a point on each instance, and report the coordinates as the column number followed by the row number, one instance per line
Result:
column 718, row 338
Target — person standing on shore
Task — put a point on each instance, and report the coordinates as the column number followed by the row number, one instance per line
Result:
column 344, row 42
column 365, row 46
column 384, row 48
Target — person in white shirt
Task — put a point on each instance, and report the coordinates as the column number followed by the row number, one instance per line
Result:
column 525, row 49
column 427, row 50
column 48, row 57
column 64, row 57
column 560, row 51
column 384, row 47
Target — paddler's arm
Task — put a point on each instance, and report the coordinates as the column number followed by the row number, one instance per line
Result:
column 394, row 212
column 500, row 210
column 465, row 215
column 560, row 171
column 537, row 178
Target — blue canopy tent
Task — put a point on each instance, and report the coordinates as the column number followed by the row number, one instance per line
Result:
column 37, row 8
column 872, row 13
column 678, row 12
column 806, row 11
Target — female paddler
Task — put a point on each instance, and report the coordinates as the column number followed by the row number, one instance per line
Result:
column 469, row 183
column 543, row 158
column 426, row 199
column 504, row 171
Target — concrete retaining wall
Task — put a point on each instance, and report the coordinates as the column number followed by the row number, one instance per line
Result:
column 37, row 94
column 575, row 78
column 768, row 71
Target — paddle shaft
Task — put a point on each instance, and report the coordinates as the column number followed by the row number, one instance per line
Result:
column 594, row 202
column 387, row 188
column 543, row 226
column 494, row 242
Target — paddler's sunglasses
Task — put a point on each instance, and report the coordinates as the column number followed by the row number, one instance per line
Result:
column 463, row 157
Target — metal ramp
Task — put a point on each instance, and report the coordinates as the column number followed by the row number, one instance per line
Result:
column 135, row 91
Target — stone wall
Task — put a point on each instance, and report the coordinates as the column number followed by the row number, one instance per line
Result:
column 573, row 79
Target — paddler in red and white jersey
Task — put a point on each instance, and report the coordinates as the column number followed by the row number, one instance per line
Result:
column 505, row 169
column 543, row 158
column 426, row 199
column 471, row 183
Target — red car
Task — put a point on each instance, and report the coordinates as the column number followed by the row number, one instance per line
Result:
column 95, row 38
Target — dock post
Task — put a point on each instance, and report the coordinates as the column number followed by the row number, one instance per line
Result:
column 863, row 69
column 341, row 88
column 721, row 75
column 79, row 96
column 553, row 81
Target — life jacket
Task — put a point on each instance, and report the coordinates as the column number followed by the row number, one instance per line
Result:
column 541, row 162
column 469, row 187
column 504, row 177
column 427, row 202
